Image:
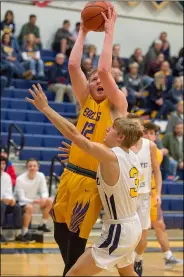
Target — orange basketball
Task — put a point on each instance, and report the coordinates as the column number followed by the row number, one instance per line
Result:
column 91, row 15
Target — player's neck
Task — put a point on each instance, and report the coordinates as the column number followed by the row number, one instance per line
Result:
column 137, row 147
column 125, row 149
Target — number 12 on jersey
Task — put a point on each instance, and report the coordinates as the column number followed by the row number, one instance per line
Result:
column 134, row 174
column 88, row 129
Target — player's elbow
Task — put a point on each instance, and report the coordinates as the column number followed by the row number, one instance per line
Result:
column 103, row 71
column 72, row 66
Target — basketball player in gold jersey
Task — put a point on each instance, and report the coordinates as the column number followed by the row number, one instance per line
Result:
column 157, row 220
column 77, row 203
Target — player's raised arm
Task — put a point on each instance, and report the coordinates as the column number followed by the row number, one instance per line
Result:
column 115, row 96
column 78, row 79
column 99, row 151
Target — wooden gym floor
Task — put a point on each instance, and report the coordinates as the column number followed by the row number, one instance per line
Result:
column 38, row 259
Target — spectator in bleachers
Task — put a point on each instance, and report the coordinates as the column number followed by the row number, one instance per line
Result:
column 91, row 54
column 8, row 27
column 117, row 60
column 155, row 65
column 31, row 189
column 134, row 82
column 10, row 58
column 152, row 54
column 166, row 45
column 8, row 203
column 30, row 28
column 176, row 117
column 174, row 143
column 63, row 41
column 31, row 55
column 86, row 66
column 58, row 80
column 166, row 69
column 179, row 66
column 157, row 94
column 7, row 72
column 75, row 33
column 10, row 169
column 138, row 58
column 8, row 23
column 118, row 77
column 176, row 92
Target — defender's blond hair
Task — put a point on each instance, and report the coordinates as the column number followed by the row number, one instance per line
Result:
column 129, row 129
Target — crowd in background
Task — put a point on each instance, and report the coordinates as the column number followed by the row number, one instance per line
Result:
column 152, row 83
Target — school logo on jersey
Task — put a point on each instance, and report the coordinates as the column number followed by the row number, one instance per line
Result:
column 78, row 215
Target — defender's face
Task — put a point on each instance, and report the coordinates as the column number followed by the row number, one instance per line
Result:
column 111, row 137
column 96, row 89
column 149, row 134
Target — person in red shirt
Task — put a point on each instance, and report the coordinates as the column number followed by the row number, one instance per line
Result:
column 10, row 169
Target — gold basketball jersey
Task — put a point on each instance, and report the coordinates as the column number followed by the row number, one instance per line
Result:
column 93, row 121
column 159, row 159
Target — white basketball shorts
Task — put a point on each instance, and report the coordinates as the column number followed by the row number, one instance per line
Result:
column 118, row 241
column 143, row 210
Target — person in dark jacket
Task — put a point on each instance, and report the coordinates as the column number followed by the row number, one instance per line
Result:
column 174, row 143
column 8, row 24
column 158, row 97
column 138, row 58
column 10, row 58
column 59, row 81
column 63, row 41
column 176, row 117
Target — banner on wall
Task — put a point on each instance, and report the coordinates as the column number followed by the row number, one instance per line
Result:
column 132, row 3
column 41, row 4
column 160, row 4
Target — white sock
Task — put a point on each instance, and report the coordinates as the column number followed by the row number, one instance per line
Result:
column 168, row 254
column 138, row 258
column 24, row 231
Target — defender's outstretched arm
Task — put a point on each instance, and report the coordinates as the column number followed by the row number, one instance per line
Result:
column 99, row 151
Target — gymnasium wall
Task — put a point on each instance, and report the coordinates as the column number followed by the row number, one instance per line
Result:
column 136, row 26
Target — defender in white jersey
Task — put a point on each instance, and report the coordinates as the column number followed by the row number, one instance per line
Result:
column 118, row 181
column 147, row 154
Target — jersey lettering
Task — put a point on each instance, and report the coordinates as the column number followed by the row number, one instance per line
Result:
column 134, row 174
column 91, row 114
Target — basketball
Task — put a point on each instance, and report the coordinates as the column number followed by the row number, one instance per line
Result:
column 91, row 15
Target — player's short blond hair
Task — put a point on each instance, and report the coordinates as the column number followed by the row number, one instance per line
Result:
column 134, row 116
column 129, row 129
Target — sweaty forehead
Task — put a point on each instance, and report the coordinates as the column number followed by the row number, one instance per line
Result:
column 93, row 76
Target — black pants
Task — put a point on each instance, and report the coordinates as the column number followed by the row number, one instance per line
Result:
column 70, row 244
column 17, row 215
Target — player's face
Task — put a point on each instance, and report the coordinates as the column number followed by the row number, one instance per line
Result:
column 3, row 166
column 32, row 167
column 149, row 134
column 111, row 137
column 96, row 89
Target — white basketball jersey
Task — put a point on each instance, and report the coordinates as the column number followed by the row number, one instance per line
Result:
column 144, row 156
column 119, row 201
